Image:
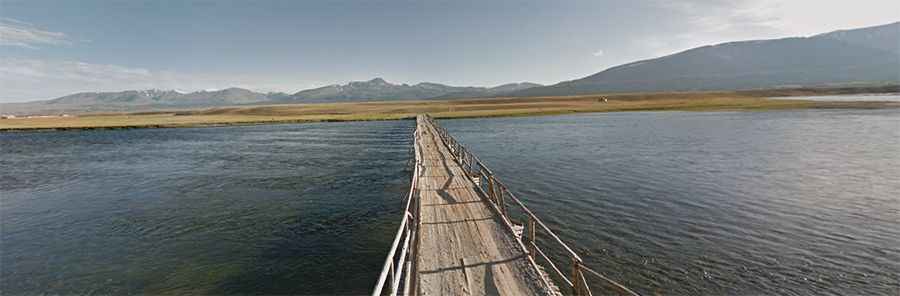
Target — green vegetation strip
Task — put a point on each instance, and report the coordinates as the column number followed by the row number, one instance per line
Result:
column 397, row 110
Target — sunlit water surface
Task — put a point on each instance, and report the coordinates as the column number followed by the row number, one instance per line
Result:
column 681, row 203
column 880, row 97
column 713, row 203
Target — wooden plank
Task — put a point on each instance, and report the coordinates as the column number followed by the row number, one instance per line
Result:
column 463, row 246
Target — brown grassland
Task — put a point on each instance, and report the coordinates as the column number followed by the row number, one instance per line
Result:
column 392, row 110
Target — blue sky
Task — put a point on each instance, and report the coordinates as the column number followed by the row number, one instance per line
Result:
column 53, row 48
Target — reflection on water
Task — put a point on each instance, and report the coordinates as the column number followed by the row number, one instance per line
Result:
column 684, row 203
column 881, row 97
column 713, row 203
column 280, row 209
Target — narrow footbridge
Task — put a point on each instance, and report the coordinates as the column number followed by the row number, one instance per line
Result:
column 464, row 233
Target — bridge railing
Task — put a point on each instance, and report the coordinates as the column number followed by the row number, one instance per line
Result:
column 396, row 265
column 527, row 226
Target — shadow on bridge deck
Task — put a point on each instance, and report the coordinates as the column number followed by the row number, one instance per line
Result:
column 464, row 248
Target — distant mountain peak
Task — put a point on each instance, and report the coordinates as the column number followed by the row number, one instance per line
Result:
column 149, row 99
column 379, row 89
column 378, row 80
column 375, row 82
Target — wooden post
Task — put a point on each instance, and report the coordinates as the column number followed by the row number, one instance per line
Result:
column 467, row 164
column 576, row 278
column 531, row 236
column 499, row 198
column 502, row 203
column 464, row 159
column 491, row 195
column 498, row 195
column 482, row 175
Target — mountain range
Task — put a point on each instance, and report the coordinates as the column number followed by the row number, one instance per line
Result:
column 373, row 90
column 865, row 55
column 868, row 55
column 379, row 90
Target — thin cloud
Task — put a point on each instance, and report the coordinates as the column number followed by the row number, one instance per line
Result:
column 598, row 53
column 23, row 79
column 21, row 34
column 705, row 22
column 716, row 21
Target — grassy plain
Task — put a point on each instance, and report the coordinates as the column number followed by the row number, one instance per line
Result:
column 392, row 110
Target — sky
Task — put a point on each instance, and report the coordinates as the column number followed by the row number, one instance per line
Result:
column 54, row 48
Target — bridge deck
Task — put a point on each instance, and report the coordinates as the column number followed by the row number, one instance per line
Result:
column 464, row 247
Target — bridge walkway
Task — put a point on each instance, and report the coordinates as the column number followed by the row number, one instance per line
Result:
column 463, row 232
column 464, row 248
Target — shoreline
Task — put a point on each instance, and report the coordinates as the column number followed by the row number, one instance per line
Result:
column 441, row 109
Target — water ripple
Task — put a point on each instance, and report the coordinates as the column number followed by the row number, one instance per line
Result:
column 231, row 210
column 689, row 203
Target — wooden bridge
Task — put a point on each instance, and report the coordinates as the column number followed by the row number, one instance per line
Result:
column 464, row 233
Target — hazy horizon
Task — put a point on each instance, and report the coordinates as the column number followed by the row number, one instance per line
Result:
column 54, row 49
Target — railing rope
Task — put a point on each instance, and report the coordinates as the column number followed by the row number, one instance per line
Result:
column 621, row 288
column 496, row 193
column 393, row 268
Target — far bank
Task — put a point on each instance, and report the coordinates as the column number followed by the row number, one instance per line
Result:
column 756, row 100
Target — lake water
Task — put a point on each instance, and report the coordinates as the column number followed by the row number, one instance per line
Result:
column 279, row 209
column 713, row 203
column 684, row 203
column 881, row 97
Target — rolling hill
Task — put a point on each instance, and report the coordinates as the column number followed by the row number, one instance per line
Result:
column 141, row 100
column 849, row 56
column 379, row 90
column 867, row 55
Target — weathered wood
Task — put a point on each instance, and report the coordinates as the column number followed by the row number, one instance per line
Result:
column 576, row 277
column 463, row 247
column 555, row 269
column 462, row 239
column 585, row 291
column 619, row 287
column 531, row 234
column 546, row 229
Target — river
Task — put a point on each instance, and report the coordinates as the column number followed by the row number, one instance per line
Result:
column 681, row 203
